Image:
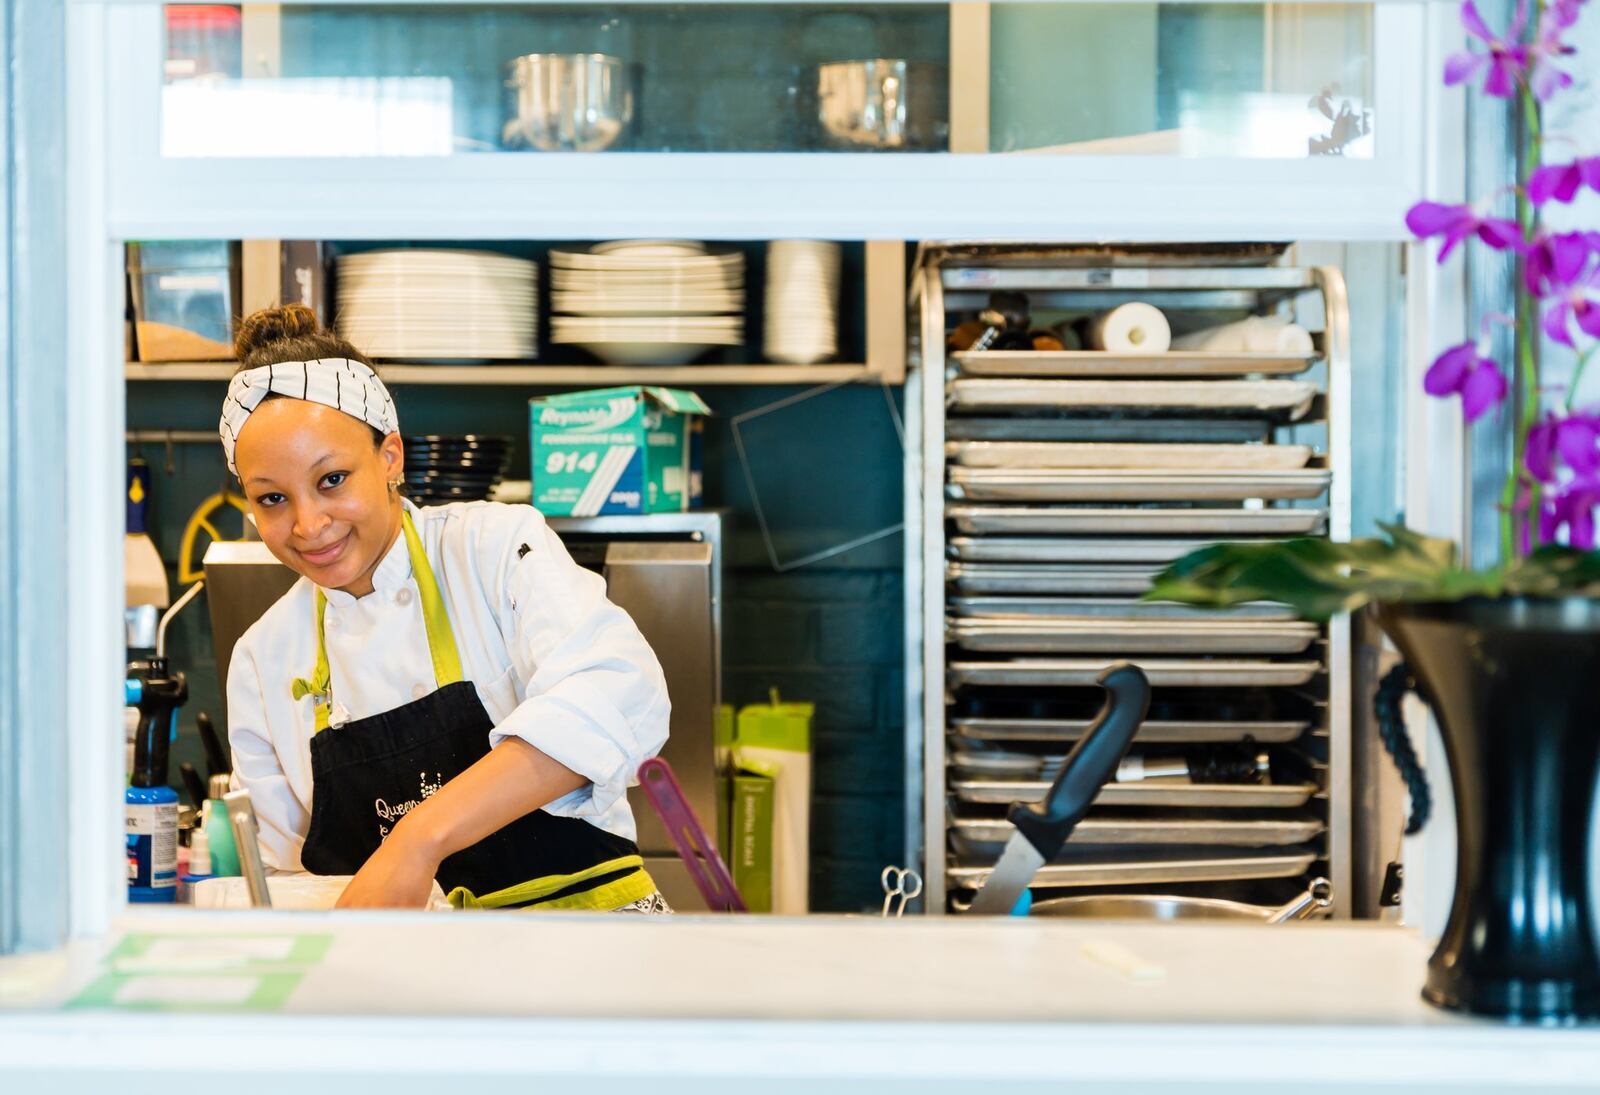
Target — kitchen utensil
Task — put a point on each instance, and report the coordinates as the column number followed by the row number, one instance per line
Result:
column 1290, row 399
column 1020, row 635
column 1315, row 900
column 901, row 882
column 1153, row 732
column 1132, row 484
column 217, row 759
column 884, row 103
column 193, row 784
column 1116, row 610
column 1229, row 430
column 1067, row 363
column 567, row 102
column 1243, row 796
column 1034, row 455
column 1142, row 867
column 247, row 839
column 1114, row 520
column 1041, row 549
column 982, row 837
column 699, row 854
column 1067, row 578
column 1162, row 672
column 1041, row 833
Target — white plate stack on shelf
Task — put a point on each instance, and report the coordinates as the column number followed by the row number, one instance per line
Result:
column 436, row 305
column 647, row 302
column 802, row 316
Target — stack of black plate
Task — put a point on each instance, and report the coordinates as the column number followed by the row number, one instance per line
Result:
column 464, row 468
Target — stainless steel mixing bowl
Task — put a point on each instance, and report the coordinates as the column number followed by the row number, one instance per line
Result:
column 1315, row 901
column 567, row 102
column 884, row 103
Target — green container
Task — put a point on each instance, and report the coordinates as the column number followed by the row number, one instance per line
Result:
column 752, row 840
column 616, row 451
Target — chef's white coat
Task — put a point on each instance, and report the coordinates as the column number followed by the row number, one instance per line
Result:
column 553, row 660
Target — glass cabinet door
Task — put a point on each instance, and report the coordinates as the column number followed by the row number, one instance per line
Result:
column 422, row 80
column 1184, row 79
column 1042, row 120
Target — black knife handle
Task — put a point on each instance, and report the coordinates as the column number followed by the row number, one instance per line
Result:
column 1090, row 765
column 192, row 784
column 217, row 759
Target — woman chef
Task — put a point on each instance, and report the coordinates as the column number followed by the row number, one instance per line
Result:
column 444, row 693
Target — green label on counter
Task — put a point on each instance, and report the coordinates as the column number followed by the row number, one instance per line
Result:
column 203, row 972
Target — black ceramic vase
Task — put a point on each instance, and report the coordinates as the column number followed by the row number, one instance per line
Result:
column 1515, row 685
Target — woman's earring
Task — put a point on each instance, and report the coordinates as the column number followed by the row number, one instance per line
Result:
column 394, row 486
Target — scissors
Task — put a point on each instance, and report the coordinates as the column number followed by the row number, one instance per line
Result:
column 901, row 882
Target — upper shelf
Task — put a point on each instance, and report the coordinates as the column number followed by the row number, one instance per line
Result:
column 525, row 375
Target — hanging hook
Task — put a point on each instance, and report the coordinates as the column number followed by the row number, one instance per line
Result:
column 172, row 469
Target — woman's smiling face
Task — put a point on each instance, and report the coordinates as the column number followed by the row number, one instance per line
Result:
column 319, row 490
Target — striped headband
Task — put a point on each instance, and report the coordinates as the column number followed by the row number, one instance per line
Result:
column 336, row 382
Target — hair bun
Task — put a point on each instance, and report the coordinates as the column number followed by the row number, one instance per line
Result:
column 261, row 329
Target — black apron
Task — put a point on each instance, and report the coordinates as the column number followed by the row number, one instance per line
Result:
column 370, row 773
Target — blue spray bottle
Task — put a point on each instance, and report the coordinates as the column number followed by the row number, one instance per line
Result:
column 151, row 806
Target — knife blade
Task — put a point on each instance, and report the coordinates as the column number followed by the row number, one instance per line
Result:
column 1043, row 829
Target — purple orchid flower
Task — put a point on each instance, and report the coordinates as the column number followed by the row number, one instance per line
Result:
column 1459, row 222
column 1556, row 260
column 1576, row 289
column 1507, row 59
column 1560, row 182
column 1462, row 370
column 1571, row 507
column 1544, row 78
column 1575, row 438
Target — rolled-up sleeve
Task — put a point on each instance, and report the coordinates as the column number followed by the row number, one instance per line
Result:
column 593, row 696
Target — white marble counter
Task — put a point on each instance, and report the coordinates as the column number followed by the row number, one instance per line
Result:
column 409, row 1002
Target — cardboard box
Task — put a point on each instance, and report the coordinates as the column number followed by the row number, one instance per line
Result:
column 616, row 450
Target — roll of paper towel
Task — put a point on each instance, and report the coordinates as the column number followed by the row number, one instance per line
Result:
column 1133, row 328
column 1254, row 335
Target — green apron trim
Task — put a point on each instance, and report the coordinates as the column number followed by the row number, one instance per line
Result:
column 636, row 885
column 441, row 640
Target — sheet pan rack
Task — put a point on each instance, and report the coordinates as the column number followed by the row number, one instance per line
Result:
column 1054, row 486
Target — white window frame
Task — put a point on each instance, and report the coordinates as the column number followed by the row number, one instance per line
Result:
column 119, row 188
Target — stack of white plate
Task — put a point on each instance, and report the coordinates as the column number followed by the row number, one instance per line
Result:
column 802, row 321
column 647, row 302
column 439, row 305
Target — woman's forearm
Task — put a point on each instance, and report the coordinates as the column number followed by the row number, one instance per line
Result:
column 513, row 779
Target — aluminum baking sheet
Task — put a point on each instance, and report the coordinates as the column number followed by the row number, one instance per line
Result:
column 1221, row 869
column 1162, row 672
column 1151, row 732
column 1068, row 578
column 1071, row 454
column 1044, row 549
column 1232, row 796
column 982, row 838
column 1181, row 520
column 1109, row 428
column 1037, row 363
column 1111, row 608
column 1131, row 485
column 1291, row 398
column 1022, row 636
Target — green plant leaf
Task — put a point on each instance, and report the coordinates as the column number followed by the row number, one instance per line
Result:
column 1320, row 578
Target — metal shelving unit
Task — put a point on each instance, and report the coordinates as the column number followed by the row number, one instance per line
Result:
column 1052, row 487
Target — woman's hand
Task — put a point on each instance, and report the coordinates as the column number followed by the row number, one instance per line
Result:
column 399, row 875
